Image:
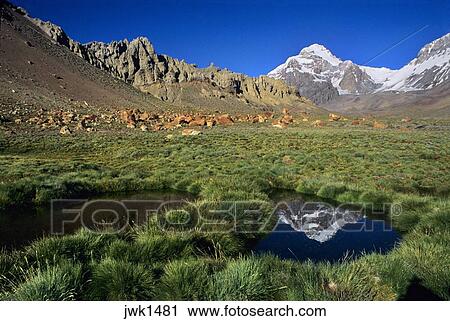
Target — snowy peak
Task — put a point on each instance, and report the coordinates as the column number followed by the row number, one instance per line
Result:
column 438, row 47
column 321, row 52
column 313, row 59
column 321, row 76
column 315, row 48
column 429, row 69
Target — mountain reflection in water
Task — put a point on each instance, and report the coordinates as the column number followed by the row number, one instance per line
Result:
column 319, row 231
column 320, row 222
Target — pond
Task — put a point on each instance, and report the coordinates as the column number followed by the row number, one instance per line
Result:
column 306, row 229
column 316, row 230
column 20, row 226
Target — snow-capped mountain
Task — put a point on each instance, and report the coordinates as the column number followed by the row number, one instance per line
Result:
column 318, row 221
column 321, row 76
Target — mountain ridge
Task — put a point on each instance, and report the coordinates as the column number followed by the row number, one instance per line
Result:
column 175, row 81
column 315, row 66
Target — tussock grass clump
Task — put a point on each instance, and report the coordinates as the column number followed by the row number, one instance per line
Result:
column 153, row 249
column 17, row 193
column 414, row 202
column 10, row 269
column 164, row 247
column 308, row 186
column 218, row 245
column 63, row 282
column 180, row 219
column 377, row 198
column 241, row 280
column 331, row 191
column 187, row 279
column 350, row 196
column 80, row 247
column 305, row 283
column 354, row 281
column 413, row 209
column 392, row 270
column 436, row 219
column 232, row 189
column 64, row 187
column 121, row 281
column 427, row 258
column 7, row 262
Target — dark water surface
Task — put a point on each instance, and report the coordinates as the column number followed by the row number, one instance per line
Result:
column 317, row 231
column 20, row 226
column 320, row 231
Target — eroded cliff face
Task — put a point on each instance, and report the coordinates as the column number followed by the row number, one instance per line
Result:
column 137, row 63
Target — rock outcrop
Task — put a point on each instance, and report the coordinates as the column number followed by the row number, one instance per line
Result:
column 137, row 63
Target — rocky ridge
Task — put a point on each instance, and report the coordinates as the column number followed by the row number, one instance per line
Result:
column 137, row 63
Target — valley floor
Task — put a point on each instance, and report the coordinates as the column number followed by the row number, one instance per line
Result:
column 407, row 166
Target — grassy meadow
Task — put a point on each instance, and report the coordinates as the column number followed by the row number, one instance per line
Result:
column 240, row 162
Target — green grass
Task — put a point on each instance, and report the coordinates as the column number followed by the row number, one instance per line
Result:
column 187, row 279
column 238, row 163
column 121, row 281
column 62, row 282
column 242, row 280
column 81, row 247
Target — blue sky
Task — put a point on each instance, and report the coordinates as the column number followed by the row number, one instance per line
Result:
column 254, row 36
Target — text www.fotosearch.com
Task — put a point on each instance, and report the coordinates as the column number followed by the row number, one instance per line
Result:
column 225, row 310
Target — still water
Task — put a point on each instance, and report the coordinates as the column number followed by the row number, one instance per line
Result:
column 21, row 225
column 319, row 231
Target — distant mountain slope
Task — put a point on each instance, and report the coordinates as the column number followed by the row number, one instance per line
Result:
column 433, row 102
column 36, row 73
column 323, row 77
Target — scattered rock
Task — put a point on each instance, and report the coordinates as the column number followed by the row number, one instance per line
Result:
column 198, row 121
column 65, row 130
column 225, row 119
column 379, row 125
column 287, row 119
column 318, row 123
column 279, row 124
column 144, row 128
column 333, row 117
column 190, row 132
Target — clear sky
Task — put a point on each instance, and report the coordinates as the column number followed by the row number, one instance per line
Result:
column 254, row 36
